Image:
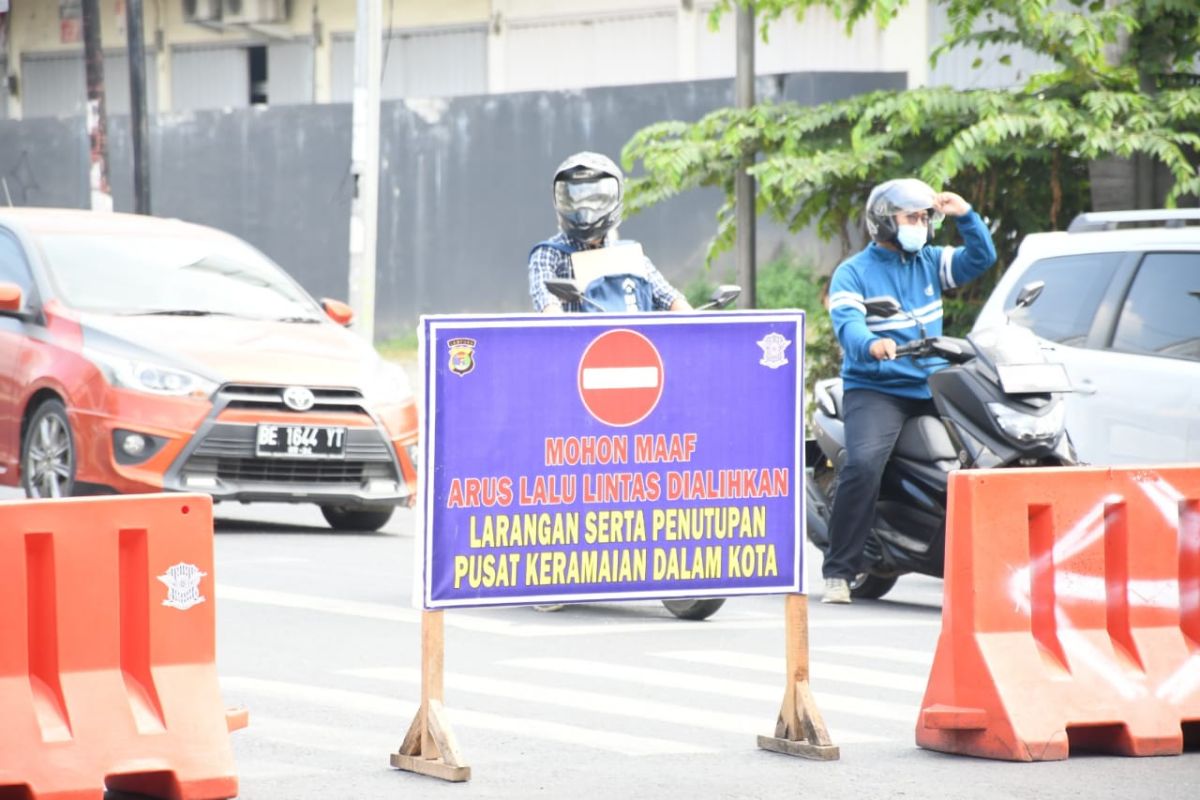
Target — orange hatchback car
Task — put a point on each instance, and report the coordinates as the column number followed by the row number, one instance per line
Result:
column 141, row 355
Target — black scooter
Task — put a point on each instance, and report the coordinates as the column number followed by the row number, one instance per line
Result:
column 999, row 404
column 569, row 290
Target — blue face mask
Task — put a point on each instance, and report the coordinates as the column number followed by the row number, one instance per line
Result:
column 912, row 237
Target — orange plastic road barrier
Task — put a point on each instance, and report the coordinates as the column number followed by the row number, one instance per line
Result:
column 107, row 639
column 1071, row 615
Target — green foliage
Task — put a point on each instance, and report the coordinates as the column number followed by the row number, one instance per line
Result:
column 787, row 283
column 1120, row 88
column 1020, row 156
column 401, row 348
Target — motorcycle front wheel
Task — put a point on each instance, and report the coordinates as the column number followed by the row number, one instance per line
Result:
column 694, row 609
column 871, row 587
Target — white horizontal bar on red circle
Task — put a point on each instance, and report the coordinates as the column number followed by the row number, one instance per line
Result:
column 620, row 377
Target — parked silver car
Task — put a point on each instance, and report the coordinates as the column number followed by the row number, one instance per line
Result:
column 1121, row 310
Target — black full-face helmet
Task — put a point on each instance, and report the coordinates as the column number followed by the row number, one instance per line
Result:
column 588, row 190
column 899, row 196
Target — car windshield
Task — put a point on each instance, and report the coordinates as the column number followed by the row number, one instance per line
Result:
column 147, row 274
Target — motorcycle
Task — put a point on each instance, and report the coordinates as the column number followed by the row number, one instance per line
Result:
column 574, row 290
column 999, row 403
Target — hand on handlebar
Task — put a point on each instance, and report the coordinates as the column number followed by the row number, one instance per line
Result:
column 919, row 348
column 883, row 349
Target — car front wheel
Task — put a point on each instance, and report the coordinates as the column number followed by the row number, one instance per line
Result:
column 48, row 453
column 354, row 518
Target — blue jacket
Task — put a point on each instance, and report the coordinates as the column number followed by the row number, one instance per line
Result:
column 915, row 281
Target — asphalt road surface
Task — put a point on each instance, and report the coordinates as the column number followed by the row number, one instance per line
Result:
column 318, row 638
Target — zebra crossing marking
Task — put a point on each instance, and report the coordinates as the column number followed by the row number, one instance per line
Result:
column 602, row 703
column 402, row 711
column 839, row 673
column 485, row 622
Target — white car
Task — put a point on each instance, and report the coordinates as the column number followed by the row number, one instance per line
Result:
column 1121, row 310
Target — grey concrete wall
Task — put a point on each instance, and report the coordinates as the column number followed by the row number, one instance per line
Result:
column 464, row 188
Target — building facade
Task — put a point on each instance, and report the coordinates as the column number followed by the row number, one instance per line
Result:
column 214, row 54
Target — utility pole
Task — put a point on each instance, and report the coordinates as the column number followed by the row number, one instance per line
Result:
column 136, row 47
column 101, row 193
column 364, row 165
column 744, row 182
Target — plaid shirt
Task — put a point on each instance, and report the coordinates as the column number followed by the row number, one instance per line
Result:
column 546, row 262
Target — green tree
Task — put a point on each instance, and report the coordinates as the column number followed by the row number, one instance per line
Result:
column 1120, row 88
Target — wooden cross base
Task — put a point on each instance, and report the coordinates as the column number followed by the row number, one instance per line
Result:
column 800, row 730
column 429, row 747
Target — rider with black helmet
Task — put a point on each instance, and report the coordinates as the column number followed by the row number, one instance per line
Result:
column 588, row 193
column 882, row 392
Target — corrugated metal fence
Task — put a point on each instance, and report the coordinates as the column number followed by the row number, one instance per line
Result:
column 464, row 189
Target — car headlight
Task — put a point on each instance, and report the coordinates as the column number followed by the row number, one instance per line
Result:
column 145, row 376
column 1029, row 427
column 389, row 384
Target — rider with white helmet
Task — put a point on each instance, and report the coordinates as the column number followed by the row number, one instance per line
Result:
column 882, row 392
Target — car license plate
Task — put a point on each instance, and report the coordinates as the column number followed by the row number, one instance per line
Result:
column 300, row 441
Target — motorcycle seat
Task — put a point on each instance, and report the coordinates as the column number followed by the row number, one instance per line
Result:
column 925, row 439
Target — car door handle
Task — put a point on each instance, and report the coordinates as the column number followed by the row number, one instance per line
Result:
column 1085, row 387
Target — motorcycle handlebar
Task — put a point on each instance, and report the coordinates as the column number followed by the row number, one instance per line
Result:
column 919, row 347
column 953, row 350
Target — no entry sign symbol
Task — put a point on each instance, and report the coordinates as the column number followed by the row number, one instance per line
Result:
column 620, row 377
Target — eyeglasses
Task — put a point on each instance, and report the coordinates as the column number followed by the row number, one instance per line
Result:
column 913, row 218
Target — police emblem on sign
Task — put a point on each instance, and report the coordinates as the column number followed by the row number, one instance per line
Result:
column 462, row 355
column 774, row 347
column 183, row 586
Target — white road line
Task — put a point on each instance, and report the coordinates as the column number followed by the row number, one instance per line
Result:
column 403, row 711
column 259, row 769
column 596, row 702
column 343, row 740
column 895, row 655
column 649, row 677
column 818, row 670
column 484, row 624
column 353, row 608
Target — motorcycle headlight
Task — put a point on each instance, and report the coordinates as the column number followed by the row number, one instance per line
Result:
column 1029, row 427
column 145, row 376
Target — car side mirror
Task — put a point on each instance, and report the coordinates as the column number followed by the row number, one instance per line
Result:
column 10, row 298
column 1030, row 292
column 337, row 311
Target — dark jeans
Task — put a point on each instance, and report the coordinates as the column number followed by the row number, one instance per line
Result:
column 873, row 423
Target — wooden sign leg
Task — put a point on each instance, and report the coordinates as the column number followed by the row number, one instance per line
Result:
column 429, row 747
column 800, row 730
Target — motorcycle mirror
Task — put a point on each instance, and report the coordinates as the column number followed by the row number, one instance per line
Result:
column 1030, row 292
column 725, row 294
column 883, row 308
column 565, row 289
